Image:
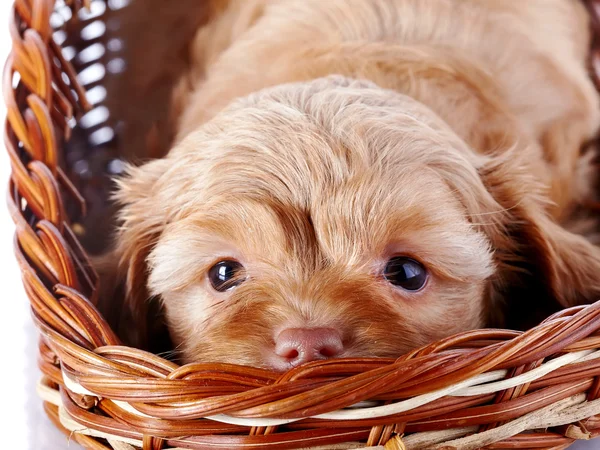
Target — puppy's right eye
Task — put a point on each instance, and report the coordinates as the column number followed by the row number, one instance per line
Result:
column 405, row 273
column 226, row 275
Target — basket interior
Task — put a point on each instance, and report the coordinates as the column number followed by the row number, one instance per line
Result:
column 128, row 54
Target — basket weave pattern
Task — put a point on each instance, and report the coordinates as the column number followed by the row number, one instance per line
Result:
column 484, row 388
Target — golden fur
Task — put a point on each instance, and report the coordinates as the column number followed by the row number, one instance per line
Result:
column 320, row 138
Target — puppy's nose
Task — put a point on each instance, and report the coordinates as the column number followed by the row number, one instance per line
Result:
column 295, row 346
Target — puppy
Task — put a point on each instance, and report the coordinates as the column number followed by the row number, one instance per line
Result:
column 363, row 177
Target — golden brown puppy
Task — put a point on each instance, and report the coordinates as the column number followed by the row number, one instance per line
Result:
column 361, row 177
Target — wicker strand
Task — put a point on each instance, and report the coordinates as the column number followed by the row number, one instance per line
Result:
column 560, row 413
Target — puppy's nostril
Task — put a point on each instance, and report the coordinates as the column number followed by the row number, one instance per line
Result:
column 290, row 354
column 329, row 351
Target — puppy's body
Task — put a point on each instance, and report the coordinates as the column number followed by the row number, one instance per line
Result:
column 443, row 132
column 475, row 63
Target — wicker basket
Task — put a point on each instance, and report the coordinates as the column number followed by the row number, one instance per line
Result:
column 485, row 388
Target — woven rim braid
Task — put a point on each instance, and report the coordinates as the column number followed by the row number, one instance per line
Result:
column 485, row 388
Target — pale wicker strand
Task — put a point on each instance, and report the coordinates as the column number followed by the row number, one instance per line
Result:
column 118, row 445
column 562, row 412
column 529, row 376
column 573, row 414
column 67, row 421
column 75, row 387
column 406, row 405
column 427, row 438
column 48, row 394
column 130, row 409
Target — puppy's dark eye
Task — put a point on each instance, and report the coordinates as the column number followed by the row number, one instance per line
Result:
column 226, row 275
column 405, row 273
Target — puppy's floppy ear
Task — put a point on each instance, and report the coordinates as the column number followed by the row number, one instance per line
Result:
column 141, row 219
column 542, row 267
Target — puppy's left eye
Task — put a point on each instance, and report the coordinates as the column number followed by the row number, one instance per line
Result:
column 405, row 273
column 226, row 275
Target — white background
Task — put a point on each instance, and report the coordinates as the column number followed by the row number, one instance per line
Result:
column 24, row 424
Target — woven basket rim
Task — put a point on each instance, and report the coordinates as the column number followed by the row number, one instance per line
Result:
column 468, row 390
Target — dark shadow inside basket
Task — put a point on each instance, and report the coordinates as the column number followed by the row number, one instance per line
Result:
column 128, row 55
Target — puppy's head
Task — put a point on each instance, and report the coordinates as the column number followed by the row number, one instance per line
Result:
column 330, row 218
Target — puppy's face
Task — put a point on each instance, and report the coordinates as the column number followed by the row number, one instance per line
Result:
column 372, row 267
column 310, row 221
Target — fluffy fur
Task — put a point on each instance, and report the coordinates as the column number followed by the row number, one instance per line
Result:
column 320, row 138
